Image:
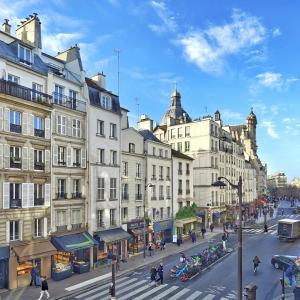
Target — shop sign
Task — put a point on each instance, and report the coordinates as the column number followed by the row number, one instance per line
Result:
column 136, row 225
column 162, row 225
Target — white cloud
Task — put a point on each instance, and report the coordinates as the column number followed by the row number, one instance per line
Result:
column 209, row 48
column 276, row 32
column 273, row 81
column 271, row 131
column 168, row 22
column 288, row 120
column 231, row 115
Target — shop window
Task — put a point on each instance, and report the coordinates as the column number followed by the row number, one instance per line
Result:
column 14, row 230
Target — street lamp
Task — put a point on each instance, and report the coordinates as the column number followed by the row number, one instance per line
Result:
column 239, row 187
column 149, row 185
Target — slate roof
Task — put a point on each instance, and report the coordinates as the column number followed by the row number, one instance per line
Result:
column 148, row 135
column 180, row 155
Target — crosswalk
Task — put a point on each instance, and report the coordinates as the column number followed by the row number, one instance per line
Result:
column 258, row 231
column 131, row 288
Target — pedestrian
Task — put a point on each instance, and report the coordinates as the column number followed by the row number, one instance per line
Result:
column 162, row 244
column 224, row 239
column 109, row 256
column 44, row 288
column 211, row 227
column 150, row 248
column 33, row 274
column 282, row 212
column 194, row 237
column 266, row 228
column 203, row 230
column 178, row 241
column 160, row 271
column 153, row 273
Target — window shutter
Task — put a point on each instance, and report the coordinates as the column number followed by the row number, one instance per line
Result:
column 6, row 156
column 6, row 120
column 73, row 127
column 47, row 128
column 1, row 156
column 7, row 231
column 57, row 131
column 47, row 160
column 83, row 158
column 55, row 155
column 69, row 188
column 45, row 227
column 25, row 123
column 5, row 195
column 25, row 158
column 30, row 195
column 69, row 127
column 30, row 127
column 47, row 194
column 1, row 118
column 69, row 156
column 24, row 195
column 21, row 229
column 31, row 159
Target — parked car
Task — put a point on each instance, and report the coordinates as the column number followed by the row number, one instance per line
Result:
column 282, row 262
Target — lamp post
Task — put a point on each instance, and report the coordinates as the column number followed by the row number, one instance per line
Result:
column 239, row 187
column 149, row 185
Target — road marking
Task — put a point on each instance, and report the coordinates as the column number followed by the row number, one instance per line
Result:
column 273, row 226
column 194, row 295
column 274, row 232
column 209, row 297
column 165, row 293
column 129, row 295
column 152, row 291
column 179, row 294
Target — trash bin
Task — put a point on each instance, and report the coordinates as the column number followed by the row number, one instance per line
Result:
column 250, row 291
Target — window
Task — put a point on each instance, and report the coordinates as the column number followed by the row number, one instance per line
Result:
column 112, row 217
column 15, row 157
column 61, row 155
column 61, row 125
column 173, row 145
column 153, row 151
column 138, row 190
column 125, row 168
column 15, row 195
column 187, row 131
column 138, row 170
column 73, row 97
column 180, row 204
column 138, row 211
column 113, row 189
column 179, row 187
column 160, row 152
column 186, row 146
column 132, row 147
column 187, row 184
column 161, row 172
column 61, row 185
column 161, row 192
column 38, row 194
column 15, row 121
column 125, row 191
column 168, row 173
column 76, row 128
column 61, row 220
column 13, row 78
column 179, row 168
column 153, row 172
column 180, row 132
column 106, row 101
column 168, row 192
column 76, row 157
column 24, row 55
column 38, row 227
column 153, row 192
column 187, row 169
column 124, row 213
column 113, row 157
column 39, row 159
column 188, row 203
column 173, row 135
column 37, row 90
column 100, row 218
column 161, row 212
column 153, row 213
column 101, row 157
column 100, row 127
column 39, row 126
column 100, row 189
column 168, row 212
column 14, row 230
column 58, row 94
column 166, row 154
column 76, row 218
column 76, row 188
column 113, row 131
column 179, row 147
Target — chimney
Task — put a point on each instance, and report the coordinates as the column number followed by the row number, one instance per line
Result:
column 29, row 31
column 6, row 27
column 145, row 123
column 99, row 78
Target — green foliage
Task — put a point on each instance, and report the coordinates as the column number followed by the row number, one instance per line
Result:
column 187, row 212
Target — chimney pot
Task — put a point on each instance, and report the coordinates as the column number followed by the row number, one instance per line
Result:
column 6, row 26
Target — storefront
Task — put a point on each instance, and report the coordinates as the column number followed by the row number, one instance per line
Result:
column 112, row 241
column 163, row 229
column 75, row 254
column 25, row 255
column 4, row 257
column 184, row 226
column 136, row 230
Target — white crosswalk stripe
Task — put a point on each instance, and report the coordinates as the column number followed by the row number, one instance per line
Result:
column 209, row 297
column 165, row 293
column 180, row 294
column 152, row 291
column 194, row 295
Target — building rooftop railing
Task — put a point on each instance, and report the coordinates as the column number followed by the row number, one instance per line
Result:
column 69, row 102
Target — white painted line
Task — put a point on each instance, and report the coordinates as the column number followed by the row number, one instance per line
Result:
column 129, row 295
column 273, row 226
column 87, row 282
column 209, row 297
column 152, row 291
column 274, row 232
column 194, row 296
column 179, row 294
column 165, row 293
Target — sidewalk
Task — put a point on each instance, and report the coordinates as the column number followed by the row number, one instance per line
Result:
column 57, row 288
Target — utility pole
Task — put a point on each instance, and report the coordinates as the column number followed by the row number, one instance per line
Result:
column 117, row 51
column 112, row 289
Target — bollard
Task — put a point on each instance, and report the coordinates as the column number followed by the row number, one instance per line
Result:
column 250, row 291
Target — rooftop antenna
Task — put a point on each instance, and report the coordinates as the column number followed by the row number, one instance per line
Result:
column 205, row 108
column 137, row 102
column 117, row 51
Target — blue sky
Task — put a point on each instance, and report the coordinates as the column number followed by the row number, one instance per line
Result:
column 226, row 55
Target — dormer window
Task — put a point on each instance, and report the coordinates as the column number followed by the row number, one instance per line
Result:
column 24, row 55
column 106, row 101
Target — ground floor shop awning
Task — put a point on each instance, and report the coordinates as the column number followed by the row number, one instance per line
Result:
column 33, row 249
column 72, row 242
column 180, row 223
column 4, row 252
column 112, row 235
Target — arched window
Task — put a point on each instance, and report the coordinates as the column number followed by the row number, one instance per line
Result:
column 131, row 147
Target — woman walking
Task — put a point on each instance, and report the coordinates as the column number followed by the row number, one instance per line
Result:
column 44, row 288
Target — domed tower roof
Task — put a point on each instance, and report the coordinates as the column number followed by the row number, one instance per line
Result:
column 252, row 116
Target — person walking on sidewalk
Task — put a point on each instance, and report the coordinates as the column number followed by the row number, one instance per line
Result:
column 203, row 231
column 211, row 227
column 162, row 244
column 34, row 274
column 44, row 288
column 224, row 239
column 153, row 273
column 160, row 272
column 150, row 248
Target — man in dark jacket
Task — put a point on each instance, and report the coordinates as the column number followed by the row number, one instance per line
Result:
column 44, row 288
column 203, row 230
column 160, row 272
column 33, row 274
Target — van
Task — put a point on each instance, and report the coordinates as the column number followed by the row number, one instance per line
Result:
column 288, row 229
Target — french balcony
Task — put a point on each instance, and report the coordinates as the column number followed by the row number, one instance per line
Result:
column 39, row 201
column 61, row 163
column 153, row 198
column 39, row 166
column 179, row 192
column 188, row 172
column 100, row 224
column 15, row 128
column 179, row 172
column 15, row 203
column 15, row 163
column 69, row 102
column 76, row 195
column 161, row 197
column 76, row 164
column 113, row 223
column 22, row 92
column 161, row 178
column 39, row 132
column 125, row 197
column 138, row 197
column 188, row 192
column 76, row 226
column 61, row 228
column 61, row 195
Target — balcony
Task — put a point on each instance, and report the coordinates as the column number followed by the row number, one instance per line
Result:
column 76, row 164
column 153, row 177
column 188, row 192
column 39, row 132
column 15, row 163
column 179, row 192
column 61, row 228
column 39, row 201
column 153, row 198
column 39, row 166
column 168, row 178
column 168, row 197
column 161, row 178
column 15, row 203
column 188, row 172
column 76, row 226
column 138, row 197
column 76, row 195
column 125, row 197
column 61, row 163
column 15, row 128
column 69, row 102
column 138, row 175
column 61, row 195
column 179, row 172
column 22, row 92
column 161, row 197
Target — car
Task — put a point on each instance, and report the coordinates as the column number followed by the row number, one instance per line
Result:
column 282, row 262
column 296, row 210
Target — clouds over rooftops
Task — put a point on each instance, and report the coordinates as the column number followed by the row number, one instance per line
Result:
column 271, row 129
